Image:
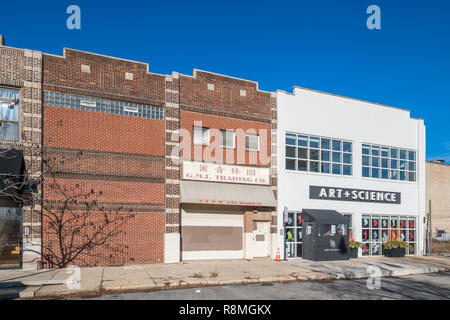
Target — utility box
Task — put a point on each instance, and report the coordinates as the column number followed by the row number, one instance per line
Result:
column 325, row 235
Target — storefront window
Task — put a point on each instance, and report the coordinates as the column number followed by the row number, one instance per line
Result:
column 375, row 230
column 294, row 235
column 9, row 237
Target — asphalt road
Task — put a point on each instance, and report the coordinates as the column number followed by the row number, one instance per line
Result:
column 428, row 286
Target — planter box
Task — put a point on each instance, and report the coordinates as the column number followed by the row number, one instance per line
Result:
column 353, row 254
column 395, row 252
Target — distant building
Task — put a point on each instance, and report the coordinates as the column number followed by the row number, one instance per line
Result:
column 438, row 191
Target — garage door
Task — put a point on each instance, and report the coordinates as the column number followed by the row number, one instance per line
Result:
column 212, row 235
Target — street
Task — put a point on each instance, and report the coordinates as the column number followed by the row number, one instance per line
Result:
column 428, row 286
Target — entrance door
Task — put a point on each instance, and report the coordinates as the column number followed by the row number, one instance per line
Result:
column 294, row 235
column 261, row 236
column 9, row 237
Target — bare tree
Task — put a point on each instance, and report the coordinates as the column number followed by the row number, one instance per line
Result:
column 20, row 184
column 76, row 227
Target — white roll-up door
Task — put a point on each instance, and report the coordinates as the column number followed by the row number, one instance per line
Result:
column 212, row 234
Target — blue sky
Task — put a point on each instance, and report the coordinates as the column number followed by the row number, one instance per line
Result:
column 321, row 44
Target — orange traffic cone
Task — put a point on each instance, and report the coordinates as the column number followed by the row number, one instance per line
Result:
column 278, row 258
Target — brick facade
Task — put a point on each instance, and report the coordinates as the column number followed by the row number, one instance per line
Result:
column 122, row 156
column 133, row 161
column 22, row 69
column 223, row 102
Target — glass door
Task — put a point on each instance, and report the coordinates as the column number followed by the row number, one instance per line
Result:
column 10, row 222
column 294, row 235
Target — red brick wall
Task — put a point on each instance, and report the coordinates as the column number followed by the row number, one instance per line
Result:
column 115, row 191
column 107, row 76
column 210, row 121
column 225, row 98
column 140, row 242
column 122, row 156
column 91, row 130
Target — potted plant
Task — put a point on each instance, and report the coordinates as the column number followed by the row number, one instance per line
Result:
column 354, row 246
column 394, row 248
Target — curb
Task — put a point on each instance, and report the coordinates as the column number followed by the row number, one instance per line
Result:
column 180, row 284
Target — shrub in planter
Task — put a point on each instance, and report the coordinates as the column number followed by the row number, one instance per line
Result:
column 394, row 248
column 354, row 246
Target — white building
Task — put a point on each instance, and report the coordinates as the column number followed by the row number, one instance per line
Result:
column 362, row 159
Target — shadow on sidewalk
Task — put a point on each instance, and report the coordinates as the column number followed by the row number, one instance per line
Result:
column 31, row 274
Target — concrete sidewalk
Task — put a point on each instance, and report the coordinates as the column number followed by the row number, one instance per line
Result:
column 389, row 267
column 98, row 280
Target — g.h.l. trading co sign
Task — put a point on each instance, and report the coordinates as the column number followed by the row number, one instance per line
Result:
column 193, row 170
column 359, row 195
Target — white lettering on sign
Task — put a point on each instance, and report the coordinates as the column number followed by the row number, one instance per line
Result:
column 330, row 193
column 193, row 170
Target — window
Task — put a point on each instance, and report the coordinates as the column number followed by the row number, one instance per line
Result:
column 201, row 135
column 377, row 229
column 10, row 236
column 227, row 138
column 251, row 141
column 382, row 162
column 294, row 235
column 9, row 114
column 318, row 154
column 73, row 101
column 350, row 225
column 324, row 230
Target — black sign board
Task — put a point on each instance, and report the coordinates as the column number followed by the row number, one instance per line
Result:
column 358, row 195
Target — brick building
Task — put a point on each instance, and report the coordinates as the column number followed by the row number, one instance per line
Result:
column 224, row 128
column 438, row 192
column 113, row 130
column 20, row 130
column 128, row 125
column 112, row 110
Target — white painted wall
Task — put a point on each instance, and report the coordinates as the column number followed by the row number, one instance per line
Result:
column 315, row 113
column 171, row 247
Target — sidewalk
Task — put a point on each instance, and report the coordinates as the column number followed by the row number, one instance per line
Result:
column 97, row 280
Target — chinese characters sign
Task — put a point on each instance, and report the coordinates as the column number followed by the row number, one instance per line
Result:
column 225, row 173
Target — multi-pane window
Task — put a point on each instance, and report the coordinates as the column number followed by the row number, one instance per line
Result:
column 73, row 101
column 379, row 229
column 251, row 141
column 382, row 162
column 9, row 114
column 294, row 235
column 318, row 154
column 201, row 135
column 227, row 138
